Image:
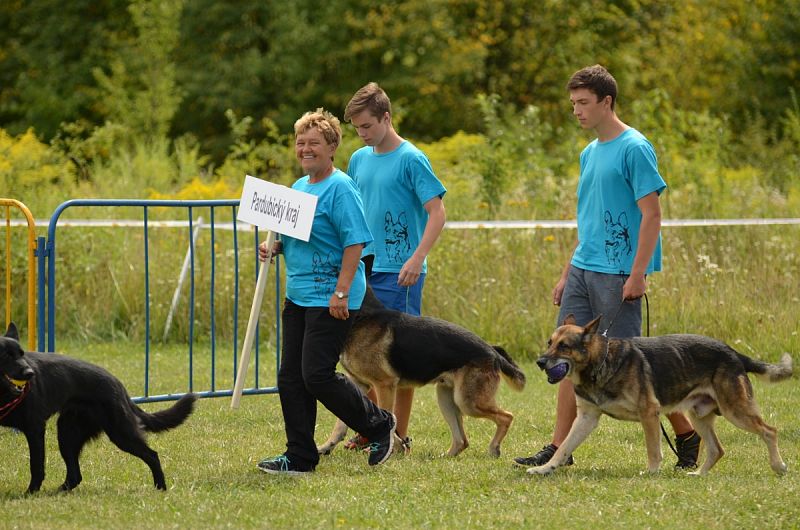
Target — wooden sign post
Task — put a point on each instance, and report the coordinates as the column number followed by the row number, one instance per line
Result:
column 280, row 210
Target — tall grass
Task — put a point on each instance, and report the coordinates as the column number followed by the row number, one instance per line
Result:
column 734, row 283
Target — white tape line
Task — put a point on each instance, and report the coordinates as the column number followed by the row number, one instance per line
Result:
column 454, row 225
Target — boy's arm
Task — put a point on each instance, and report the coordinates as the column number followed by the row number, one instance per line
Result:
column 636, row 285
column 412, row 268
column 558, row 290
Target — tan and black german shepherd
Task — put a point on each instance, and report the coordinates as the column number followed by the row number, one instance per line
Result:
column 388, row 349
column 637, row 379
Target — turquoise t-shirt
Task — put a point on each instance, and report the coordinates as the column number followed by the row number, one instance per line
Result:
column 312, row 268
column 395, row 186
column 614, row 175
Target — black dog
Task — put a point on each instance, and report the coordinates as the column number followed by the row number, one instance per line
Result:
column 34, row 386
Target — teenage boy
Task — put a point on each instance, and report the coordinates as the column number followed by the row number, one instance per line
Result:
column 619, row 241
column 405, row 213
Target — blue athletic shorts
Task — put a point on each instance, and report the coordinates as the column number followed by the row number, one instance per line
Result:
column 405, row 299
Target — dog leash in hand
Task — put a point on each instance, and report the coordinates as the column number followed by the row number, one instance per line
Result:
column 605, row 333
column 647, row 306
column 9, row 407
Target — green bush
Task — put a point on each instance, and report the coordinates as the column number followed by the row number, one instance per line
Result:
column 31, row 171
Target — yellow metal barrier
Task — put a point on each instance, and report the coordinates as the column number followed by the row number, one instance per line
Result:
column 8, row 203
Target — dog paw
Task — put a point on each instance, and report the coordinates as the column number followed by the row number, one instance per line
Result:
column 325, row 449
column 456, row 449
column 540, row 470
column 781, row 468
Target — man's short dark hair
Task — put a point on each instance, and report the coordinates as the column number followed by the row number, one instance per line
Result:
column 597, row 80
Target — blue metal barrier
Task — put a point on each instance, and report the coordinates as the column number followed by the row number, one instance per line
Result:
column 47, row 258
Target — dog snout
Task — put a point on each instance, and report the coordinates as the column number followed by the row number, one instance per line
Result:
column 542, row 362
column 27, row 374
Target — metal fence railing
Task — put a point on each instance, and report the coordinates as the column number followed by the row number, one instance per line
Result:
column 48, row 313
column 30, row 251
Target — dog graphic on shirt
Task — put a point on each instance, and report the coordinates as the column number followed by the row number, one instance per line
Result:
column 325, row 272
column 618, row 239
column 396, row 240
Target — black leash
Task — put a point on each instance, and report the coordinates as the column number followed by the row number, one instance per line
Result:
column 647, row 312
column 611, row 323
column 605, row 334
column 647, row 333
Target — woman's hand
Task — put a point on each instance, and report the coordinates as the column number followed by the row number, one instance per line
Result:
column 264, row 253
column 337, row 307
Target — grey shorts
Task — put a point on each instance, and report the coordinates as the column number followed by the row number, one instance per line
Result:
column 588, row 295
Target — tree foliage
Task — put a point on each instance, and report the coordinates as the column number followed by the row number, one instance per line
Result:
column 99, row 60
column 140, row 91
column 173, row 97
column 48, row 51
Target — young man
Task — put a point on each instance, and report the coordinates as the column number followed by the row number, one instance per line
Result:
column 619, row 241
column 405, row 213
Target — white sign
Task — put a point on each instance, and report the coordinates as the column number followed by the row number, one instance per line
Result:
column 277, row 208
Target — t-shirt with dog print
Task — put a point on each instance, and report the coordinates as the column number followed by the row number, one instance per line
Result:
column 614, row 176
column 395, row 187
column 312, row 268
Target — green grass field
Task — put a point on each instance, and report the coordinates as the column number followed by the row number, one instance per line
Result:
column 213, row 482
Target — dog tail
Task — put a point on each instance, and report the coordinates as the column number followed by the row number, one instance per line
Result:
column 168, row 418
column 509, row 369
column 766, row 371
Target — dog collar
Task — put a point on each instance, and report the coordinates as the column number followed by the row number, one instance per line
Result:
column 9, row 407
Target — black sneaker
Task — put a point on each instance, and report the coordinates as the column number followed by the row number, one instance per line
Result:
column 688, row 448
column 281, row 465
column 381, row 450
column 540, row 458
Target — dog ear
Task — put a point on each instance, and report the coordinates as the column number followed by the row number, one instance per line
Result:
column 591, row 327
column 569, row 320
column 12, row 332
